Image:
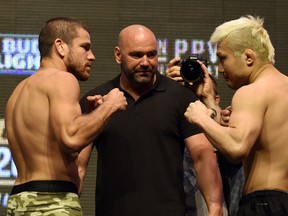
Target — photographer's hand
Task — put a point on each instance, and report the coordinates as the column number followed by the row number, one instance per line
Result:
column 173, row 70
column 207, row 92
column 204, row 89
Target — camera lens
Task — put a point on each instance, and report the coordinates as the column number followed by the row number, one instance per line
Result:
column 191, row 71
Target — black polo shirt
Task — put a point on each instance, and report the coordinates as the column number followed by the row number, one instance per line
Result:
column 140, row 152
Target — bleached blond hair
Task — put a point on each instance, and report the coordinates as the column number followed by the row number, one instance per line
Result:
column 247, row 32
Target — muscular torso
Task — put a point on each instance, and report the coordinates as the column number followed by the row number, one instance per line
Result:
column 266, row 166
column 36, row 151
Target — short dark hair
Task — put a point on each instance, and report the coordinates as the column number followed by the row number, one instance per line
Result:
column 58, row 27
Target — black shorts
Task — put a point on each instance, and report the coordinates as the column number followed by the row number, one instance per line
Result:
column 264, row 203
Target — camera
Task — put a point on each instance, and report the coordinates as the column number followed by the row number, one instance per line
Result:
column 191, row 70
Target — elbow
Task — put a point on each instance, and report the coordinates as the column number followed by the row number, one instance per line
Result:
column 74, row 139
column 237, row 154
column 72, row 144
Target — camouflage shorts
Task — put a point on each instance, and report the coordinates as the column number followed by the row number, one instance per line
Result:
column 44, row 203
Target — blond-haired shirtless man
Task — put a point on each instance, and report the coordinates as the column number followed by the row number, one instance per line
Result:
column 257, row 130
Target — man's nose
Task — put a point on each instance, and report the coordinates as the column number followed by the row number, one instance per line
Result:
column 91, row 56
column 144, row 61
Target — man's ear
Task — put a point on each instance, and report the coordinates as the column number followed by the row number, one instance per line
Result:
column 117, row 54
column 217, row 99
column 60, row 46
column 250, row 56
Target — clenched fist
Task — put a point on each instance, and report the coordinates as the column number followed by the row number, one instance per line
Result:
column 195, row 111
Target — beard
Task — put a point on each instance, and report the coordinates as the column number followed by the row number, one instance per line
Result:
column 143, row 77
column 139, row 76
column 76, row 68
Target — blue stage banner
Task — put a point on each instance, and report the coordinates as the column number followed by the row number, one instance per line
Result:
column 19, row 54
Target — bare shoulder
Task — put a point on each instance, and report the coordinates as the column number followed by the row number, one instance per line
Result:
column 55, row 75
column 247, row 92
column 265, row 86
column 249, row 102
column 52, row 80
column 282, row 81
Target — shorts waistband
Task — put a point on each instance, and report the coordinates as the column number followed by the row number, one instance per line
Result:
column 45, row 186
column 262, row 193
